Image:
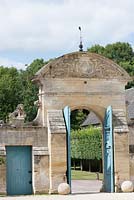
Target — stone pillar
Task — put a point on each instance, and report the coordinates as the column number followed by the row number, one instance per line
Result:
column 121, row 146
column 131, row 149
column 41, row 170
column 2, row 170
column 57, row 149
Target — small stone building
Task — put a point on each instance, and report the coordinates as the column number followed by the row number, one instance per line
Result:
column 33, row 157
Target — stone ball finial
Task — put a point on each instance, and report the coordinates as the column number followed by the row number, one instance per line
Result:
column 127, row 186
column 63, row 188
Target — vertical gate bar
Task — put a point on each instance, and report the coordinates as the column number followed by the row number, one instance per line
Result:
column 67, row 123
column 69, row 150
column 108, row 152
column 112, row 150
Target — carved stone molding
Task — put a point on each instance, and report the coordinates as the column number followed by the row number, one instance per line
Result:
column 82, row 65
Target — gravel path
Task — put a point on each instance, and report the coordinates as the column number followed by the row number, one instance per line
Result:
column 86, row 186
column 98, row 196
column 81, row 190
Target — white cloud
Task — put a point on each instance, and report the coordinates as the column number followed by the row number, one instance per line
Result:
column 11, row 63
column 45, row 26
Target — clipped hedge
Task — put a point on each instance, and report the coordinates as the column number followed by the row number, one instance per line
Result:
column 86, row 143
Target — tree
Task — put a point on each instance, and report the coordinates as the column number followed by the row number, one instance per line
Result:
column 16, row 87
column 77, row 117
column 29, row 89
column 10, row 91
column 121, row 53
column 97, row 49
column 86, row 145
column 35, row 66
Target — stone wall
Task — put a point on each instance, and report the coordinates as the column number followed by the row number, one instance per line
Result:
column 57, row 148
column 90, row 94
column 41, row 174
column 131, row 150
column 37, row 137
column 121, row 145
column 2, row 174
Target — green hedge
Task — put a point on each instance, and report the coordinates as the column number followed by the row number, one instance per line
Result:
column 86, row 143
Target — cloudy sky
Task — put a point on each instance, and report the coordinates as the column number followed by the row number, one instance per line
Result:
column 31, row 29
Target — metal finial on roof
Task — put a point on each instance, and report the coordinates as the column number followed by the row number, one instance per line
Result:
column 80, row 45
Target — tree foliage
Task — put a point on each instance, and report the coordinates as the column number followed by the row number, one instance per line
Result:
column 16, row 87
column 29, row 89
column 10, row 91
column 77, row 117
column 121, row 53
column 86, row 144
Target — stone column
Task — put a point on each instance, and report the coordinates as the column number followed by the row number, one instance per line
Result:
column 57, row 149
column 121, row 147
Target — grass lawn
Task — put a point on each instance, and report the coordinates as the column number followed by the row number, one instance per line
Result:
column 83, row 175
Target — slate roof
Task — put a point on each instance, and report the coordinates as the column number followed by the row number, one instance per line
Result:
column 92, row 119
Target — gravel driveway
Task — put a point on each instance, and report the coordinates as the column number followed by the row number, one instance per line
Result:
column 98, row 196
column 86, row 186
column 81, row 190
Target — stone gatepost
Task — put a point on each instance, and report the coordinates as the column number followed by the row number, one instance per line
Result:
column 121, row 147
column 57, row 149
column 2, row 170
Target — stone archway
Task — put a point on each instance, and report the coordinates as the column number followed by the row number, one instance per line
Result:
column 82, row 79
column 83, row 164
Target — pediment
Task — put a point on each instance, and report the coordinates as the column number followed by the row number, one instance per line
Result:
column 83, row 65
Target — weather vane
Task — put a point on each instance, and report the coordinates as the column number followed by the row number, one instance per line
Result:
column 80, row 45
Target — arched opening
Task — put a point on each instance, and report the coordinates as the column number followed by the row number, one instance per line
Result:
column 86, row 151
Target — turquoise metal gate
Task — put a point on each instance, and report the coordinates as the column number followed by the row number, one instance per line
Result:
column 19, row 170
column 107, row 148
column 66, row 112
column 108, row 152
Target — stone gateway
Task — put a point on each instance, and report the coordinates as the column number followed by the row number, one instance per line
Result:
column 80, row 80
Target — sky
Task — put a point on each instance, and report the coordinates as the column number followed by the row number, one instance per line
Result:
column 31, row 29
